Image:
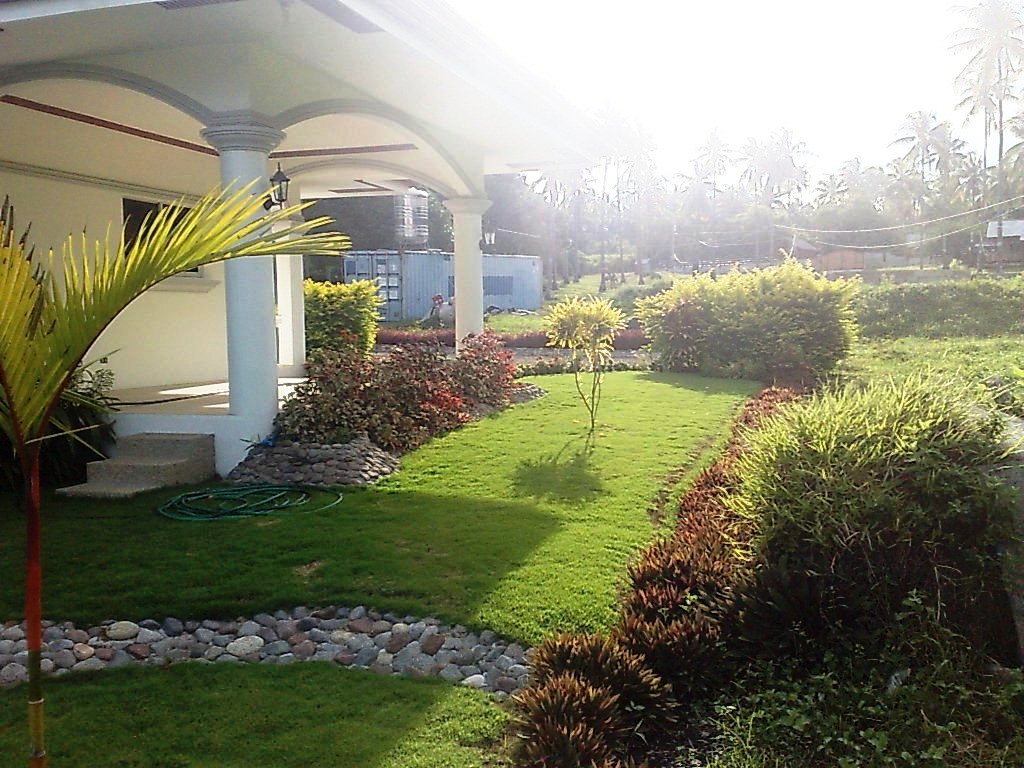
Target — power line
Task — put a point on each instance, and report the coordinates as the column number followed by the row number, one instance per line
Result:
column 521, row 234
column 913, row 244
column 901, row 226
column 726, row 245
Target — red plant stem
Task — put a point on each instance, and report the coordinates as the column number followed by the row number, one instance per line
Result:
column 34, row 609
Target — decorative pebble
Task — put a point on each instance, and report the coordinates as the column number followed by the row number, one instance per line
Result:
column 358, row 462
column 384, row 643
column 122, row 630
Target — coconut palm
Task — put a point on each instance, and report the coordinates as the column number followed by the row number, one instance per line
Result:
column 52, row 312
column 994, row 40
column 831, row 190
column 919, row 135
column 713, row 160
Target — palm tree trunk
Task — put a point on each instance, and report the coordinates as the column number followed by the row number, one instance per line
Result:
column 999, row 167
column 34, row 608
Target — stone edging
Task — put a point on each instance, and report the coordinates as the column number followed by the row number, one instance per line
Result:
column 358, row 638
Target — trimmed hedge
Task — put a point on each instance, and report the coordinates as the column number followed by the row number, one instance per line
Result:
column 338, row 312
column 977, row 307
column 626, row 339
column 781, row 323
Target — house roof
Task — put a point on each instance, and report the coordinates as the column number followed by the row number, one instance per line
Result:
column 371, row 93
column 1011, row 228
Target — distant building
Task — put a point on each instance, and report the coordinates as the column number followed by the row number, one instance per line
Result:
column 1012, row 248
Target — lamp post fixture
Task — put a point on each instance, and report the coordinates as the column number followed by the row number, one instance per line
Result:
column 278, row 189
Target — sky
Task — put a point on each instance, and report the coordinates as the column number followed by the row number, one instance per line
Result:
column 841, row 76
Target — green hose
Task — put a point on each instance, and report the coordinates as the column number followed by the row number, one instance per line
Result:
column 237, row 502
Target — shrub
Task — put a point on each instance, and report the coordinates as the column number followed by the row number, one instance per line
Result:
column 780, row 323
column 645, row 704
column 925, row 699
column 977, row 307
column 569, row 723
column 626, row 297
column 587, row 327
column 83, row 409
column 400, row 401
column 412, row 398
column 336, row 309
column 330, row 406
column 442, row 337
column 625, row 339
column 483, row 370
column 855, row 498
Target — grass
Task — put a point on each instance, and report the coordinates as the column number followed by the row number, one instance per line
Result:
column 240, row 716
column 506, row 524
column 587, row 286
column 973, row 359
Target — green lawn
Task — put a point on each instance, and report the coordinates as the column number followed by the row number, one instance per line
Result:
column 587, row 286
column 506, row 524
column 299, row 716
column 970, row 358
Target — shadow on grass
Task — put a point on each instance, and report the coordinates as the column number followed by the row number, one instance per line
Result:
column 404, row 551
column 304, row 715
column 564, row 476
column 697, row 383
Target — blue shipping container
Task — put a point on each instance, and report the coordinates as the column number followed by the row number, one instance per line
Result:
column 409, row 281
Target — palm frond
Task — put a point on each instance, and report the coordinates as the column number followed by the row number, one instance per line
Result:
column 47, row 325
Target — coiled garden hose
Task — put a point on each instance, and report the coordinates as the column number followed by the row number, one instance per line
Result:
column 237, row 502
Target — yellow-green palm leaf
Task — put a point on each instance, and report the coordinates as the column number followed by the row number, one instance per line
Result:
column 50, row 317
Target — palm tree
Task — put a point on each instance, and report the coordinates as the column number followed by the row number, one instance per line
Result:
column 919, row 135
column 831, row 190
column 48, row 324
column 994, row 40
column 713, row 160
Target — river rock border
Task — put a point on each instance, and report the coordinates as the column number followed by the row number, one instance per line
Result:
column 358, row 638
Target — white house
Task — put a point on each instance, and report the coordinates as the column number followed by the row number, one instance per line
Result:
column 109, row 105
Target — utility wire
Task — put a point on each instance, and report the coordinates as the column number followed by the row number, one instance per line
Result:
column 513, row 232
column 726, row 245
column 913, row 244
column 901, row 226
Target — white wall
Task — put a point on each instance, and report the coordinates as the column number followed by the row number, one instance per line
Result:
column 166, row 336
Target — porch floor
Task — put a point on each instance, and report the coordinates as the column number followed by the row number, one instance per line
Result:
column 198, row 399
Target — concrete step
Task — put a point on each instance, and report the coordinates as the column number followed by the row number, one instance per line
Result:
column 150, row 470
column 164, row 445
column 145, row 462
column 106, row 490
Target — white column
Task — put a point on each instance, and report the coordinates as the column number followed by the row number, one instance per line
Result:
column 291, row 308
column 469, row 279
column 244, row 145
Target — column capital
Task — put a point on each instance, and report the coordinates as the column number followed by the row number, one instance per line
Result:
column 467, row 205
column 242, row 131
